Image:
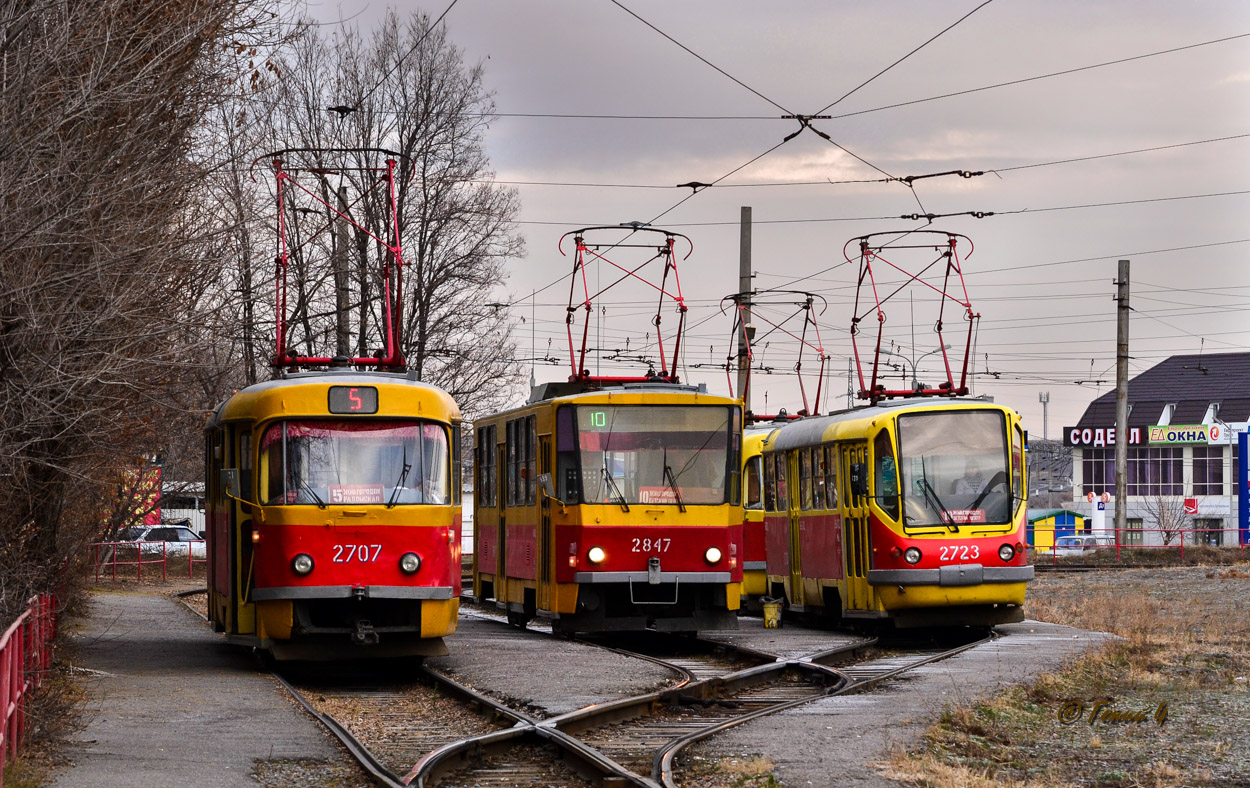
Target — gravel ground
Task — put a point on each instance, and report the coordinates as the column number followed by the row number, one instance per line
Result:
column 540, row 675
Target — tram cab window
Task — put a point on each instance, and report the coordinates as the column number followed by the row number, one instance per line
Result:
column 567, row 481
column 356, row 462
column 754, row 496
column 885, row 478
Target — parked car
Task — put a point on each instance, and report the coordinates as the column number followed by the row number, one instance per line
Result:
column 170, row 539
column 1082, row 544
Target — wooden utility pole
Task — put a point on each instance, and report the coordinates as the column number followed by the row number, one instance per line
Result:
column 744, row 288
column 1121, row 402
column 342, row 288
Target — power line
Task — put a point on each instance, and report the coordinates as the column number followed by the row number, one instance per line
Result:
column 904, row 57
column 701, row 59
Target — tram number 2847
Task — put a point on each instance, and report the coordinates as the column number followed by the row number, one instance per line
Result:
column 651, row 545
column 361, row 553
column 960, row 552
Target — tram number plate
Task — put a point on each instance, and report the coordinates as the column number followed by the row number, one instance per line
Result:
column 960, row 552
column 651, row 545
column 361, row 553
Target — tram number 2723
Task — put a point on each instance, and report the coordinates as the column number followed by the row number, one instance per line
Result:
column 960, row 552
column 651, row 545
column 362, row 553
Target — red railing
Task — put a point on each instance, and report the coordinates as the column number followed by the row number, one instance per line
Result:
column 25, row 659
column 107, row 556
column 1177, row 539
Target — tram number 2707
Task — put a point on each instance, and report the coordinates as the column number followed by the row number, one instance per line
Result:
column 651, row 545
column 361, row 553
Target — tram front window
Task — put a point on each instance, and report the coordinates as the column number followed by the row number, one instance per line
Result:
column 955, row 468
column 654, row 454
column 355, row 462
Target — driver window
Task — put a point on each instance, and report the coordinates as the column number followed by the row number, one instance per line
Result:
column 885, row 477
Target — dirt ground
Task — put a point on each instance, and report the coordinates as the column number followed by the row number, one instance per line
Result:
column 1168, row 705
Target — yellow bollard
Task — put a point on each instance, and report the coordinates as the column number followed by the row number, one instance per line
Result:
column 772, row 614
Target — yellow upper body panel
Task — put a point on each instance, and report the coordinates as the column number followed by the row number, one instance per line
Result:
column 306, row 395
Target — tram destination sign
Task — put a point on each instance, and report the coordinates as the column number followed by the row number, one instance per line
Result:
column 353, row 399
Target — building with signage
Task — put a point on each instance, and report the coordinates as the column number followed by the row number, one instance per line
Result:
column 1183, row 423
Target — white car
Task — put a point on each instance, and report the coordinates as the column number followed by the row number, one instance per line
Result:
column 167, row 539
column 1082, row 544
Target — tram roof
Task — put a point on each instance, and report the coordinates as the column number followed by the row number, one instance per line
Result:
column 246, row 401
column 813, row 430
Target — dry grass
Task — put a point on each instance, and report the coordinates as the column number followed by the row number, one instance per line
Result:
column 1168, row 705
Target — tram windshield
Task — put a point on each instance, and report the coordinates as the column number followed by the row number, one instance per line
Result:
column 656, row 454
column 954, row 468
column 323, row 463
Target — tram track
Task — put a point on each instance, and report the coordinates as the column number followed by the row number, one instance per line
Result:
column 634, row 741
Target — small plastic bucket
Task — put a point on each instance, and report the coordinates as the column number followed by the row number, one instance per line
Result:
column 772, row 613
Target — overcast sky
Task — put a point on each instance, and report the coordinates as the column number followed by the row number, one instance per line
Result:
column 1042, row 274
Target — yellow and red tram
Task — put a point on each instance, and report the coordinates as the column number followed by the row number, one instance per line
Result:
column 611, row 509
column 333, row 515
column 754, row 557
column 910, row 512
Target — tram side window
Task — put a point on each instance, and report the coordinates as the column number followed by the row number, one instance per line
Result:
column 805, row 479
column 885, row 488
column 831, row 476
column 770, row 484
column 783, row 492
column 818, row 477
column 485, row 463
column 531, row 462
column 513, row 484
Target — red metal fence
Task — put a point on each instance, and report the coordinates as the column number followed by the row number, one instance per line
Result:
column 1136, row 539
column 25, row 659
column 108, row 556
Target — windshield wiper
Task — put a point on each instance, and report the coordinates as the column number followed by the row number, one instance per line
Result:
column 671, row 480
column 931, row 497
column 320, row 503
column 403, row 476
column 616, row 492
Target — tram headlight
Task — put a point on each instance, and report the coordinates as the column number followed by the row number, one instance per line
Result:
column 713, row 555
column 596, row 555
column 302, row 564
column 409, row 563
column 912, row 555
column 1007, row 552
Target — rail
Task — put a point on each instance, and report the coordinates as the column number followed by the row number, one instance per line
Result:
column 108, row 556
column 25, row 658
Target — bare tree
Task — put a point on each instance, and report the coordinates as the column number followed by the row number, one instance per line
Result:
column 407, row 89
column 1168, row 514
column 101, row 260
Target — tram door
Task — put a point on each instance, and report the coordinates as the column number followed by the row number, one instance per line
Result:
column 796, row 526
column 858, row 594
column 546, row 559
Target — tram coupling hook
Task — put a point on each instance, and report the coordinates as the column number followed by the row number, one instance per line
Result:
column 364, row 634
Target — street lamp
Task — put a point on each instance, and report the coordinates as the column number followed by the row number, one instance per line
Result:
column 915, row 379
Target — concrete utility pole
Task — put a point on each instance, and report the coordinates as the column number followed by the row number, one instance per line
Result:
column 1044, row 398
column 1121, row 402
column 744, row 287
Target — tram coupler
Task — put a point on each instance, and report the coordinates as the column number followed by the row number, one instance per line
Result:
column 653, row 571
column 364, row 634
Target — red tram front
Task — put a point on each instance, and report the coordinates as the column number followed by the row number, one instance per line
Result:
column 334, row 516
